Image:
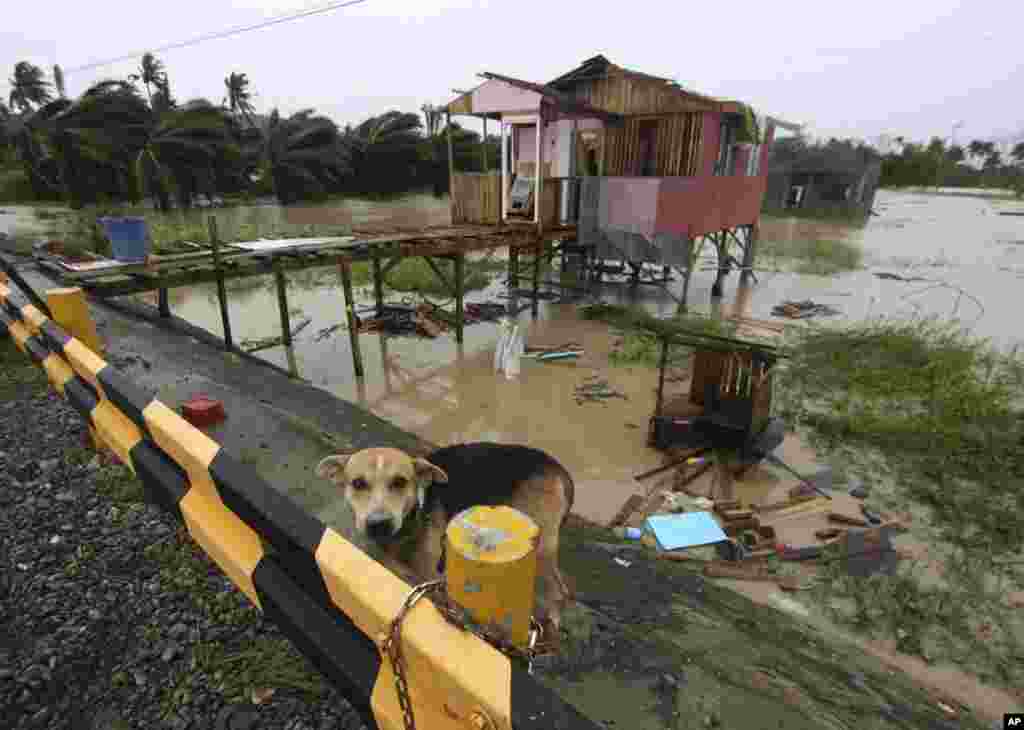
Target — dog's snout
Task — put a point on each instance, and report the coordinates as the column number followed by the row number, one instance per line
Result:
column 379, row 527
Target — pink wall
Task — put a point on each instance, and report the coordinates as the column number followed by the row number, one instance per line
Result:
column 497, row 96
column 526, row 141
column 712, row 138
column 696, row 206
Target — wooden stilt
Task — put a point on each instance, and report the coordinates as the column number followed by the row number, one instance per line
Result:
column 282, row 305
column 662, row 366
column 460, row 289
column 385, row 366
column 513, row 267
column 163, row 304
column 222, row 293
column 749, row 251
column 378, row 286
column 538, row 255
column 350, row 315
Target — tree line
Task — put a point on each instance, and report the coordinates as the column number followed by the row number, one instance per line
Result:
column 979, row 164
column 123, row 140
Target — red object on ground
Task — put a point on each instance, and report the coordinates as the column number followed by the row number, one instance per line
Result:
column 201, row 410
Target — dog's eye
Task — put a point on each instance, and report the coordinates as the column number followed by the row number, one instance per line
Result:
column 359, row 484
column 398, row 483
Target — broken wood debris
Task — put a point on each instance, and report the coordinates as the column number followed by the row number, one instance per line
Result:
column 803, row 310
column 263, row 343
column 596, row 390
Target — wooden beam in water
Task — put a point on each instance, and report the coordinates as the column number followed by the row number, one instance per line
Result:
column 282, row 305
column 222, row 294
column 378, row 286
column 163, row 304
column 350, row 314
column 460, row 289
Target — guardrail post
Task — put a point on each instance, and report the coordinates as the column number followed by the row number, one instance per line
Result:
column 70, row 310
column 491, row 568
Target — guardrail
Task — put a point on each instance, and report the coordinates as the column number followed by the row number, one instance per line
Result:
column 334, row 602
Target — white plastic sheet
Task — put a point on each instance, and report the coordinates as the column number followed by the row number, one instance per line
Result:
column 509, row 350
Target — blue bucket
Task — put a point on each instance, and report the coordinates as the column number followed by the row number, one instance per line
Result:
column 129, row 239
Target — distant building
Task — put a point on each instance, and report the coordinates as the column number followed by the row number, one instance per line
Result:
column 837, row 178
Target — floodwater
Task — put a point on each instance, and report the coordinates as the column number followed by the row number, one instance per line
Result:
column 971, row 258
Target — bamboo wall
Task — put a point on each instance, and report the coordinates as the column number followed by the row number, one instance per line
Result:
column 630, row 95
column 677, row 145
column 476, row 197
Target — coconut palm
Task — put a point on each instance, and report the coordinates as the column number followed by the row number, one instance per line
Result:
column 151, row 73
column 58, row 81
column 384, row 151
column 29, row 87
column 239, row 99
column 303, row 154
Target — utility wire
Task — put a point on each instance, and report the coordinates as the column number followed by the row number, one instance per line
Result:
column 220, row 34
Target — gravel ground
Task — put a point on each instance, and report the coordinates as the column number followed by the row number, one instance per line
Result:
column 110, row 618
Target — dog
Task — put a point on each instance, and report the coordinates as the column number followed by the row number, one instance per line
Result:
column 403, row 504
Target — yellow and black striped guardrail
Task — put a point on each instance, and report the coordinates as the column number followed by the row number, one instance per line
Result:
column 333, row 601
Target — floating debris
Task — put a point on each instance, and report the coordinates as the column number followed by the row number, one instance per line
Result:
column 263, row 343
column 326, row 332
column 897, row 277
column 596, row 390
column 803, row 310
column 485, row 312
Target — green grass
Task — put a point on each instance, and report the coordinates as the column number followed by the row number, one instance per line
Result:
column 813, row 256
column 19, row 376
column 836, row 213
column 943, row 411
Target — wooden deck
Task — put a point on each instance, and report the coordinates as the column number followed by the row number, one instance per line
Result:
column 169, row 272
column 384, row 248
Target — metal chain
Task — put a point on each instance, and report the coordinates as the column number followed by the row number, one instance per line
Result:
column 459, row 617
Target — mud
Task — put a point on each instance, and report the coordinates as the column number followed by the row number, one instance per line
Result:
column 654, row 645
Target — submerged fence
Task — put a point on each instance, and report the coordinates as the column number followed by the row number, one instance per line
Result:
column 333, row 602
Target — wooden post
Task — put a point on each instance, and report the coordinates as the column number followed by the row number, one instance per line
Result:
column 460, row 289
column 384, row 364
column 222, row 293
column 483, row 150
column 537, row 255
column 293, row 364
column 378, row 286
column 513, row 266
column 282, row 305
column 506, row 164
column 662, row 366
column 163, row 304
column 451, row 164
column 538, row 185
column 749, row 252
column 350, row 314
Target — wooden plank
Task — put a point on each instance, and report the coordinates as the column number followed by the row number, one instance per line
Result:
column 350, row 315
column 222, row 294
column 282, row 305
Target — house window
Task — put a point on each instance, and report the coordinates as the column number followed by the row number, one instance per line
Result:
column 647, row 159
column 725, row 150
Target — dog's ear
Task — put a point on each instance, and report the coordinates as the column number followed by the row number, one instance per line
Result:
column 332, row 467
column 427, row 472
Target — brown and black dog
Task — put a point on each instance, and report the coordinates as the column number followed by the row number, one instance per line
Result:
column 403, row 504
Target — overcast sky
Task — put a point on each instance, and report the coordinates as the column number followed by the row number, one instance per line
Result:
column 853, row 69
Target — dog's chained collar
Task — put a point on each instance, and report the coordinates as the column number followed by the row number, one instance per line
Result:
column 493, row 634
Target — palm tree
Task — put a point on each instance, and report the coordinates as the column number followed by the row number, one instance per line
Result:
column 303, row 154
column 29, row 87
column 239, row 100
column 58, row 81
column 384, row 150
column 151, row 73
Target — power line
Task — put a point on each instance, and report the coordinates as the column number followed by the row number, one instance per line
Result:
column 220, row 34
